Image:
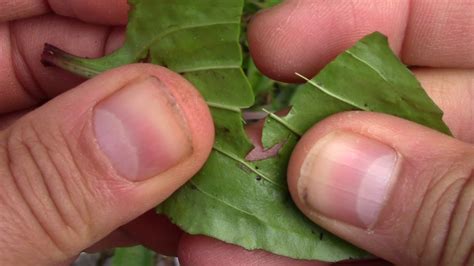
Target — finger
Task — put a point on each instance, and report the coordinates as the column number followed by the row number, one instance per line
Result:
column 116, row 239
column 156, row 232
column 152, row 230
column 202, row 251
column 401, row 191
column 95, row 158
column 453, row 91
column 110, row 12
column 8, row 119
column 304, row 35
column 18, row 9
column 24, row 81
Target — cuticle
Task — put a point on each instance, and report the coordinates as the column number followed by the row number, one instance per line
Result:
column 172, row 102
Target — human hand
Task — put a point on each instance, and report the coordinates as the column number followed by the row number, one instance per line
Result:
column 394, row 188
column 80, row 162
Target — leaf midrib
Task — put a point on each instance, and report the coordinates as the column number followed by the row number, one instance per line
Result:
column 328, row 92
column 367, row 64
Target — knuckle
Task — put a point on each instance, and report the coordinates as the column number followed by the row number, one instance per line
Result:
column 48, row 187
column 457, row 248
column 445, row 215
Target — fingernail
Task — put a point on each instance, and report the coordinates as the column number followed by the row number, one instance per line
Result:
column 141, row 130
column 348, row 177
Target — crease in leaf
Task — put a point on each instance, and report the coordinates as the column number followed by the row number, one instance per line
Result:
column 232, row 199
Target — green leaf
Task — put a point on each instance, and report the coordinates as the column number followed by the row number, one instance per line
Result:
column 133, row 256
column 247, row 202
column 367, row 77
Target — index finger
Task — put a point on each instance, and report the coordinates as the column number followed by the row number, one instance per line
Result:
column 109, row 12
column 304, row 35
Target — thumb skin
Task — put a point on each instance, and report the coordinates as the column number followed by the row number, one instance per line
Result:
column 95, row 158
column 401, row 191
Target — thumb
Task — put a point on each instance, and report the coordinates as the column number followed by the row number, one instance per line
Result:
column 95, row 158
column 394, row 188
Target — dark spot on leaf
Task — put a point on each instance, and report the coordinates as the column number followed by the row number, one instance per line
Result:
column 244, row 168
column 321, row 235
column 256, row 167
column 258, row 178
column 193, row 187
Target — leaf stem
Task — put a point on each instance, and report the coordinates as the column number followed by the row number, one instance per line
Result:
column 53, row 56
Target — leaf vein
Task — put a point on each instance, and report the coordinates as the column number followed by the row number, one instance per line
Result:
column 282, row 122
column 292, row 230
column 327, row 91
column 247, row 165
column 172, row 30
column 223, row 106
column 367, row 64
column 224, row 202
column 196, row 69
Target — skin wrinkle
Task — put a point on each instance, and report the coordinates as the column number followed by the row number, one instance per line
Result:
column 86, row 211
column 9, row 173
column 413, row 239
column 85, row 190
column 90, row 188
column 431, row 252
column 38, row 93
column 466, row 222
column 434, row 225
column 28, row 148
column 106, row 38
column 451, row 220
column 41, row 173
column 69, row 221
column 39, row 226
column 34, row 98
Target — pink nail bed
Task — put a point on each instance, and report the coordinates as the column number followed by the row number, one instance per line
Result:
column 347, row 176
column 141, row 130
